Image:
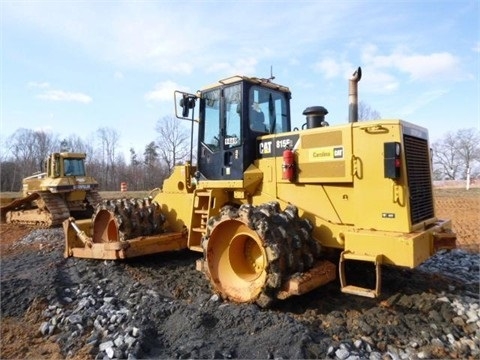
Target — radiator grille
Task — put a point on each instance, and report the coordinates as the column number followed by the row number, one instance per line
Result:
column 419, row 179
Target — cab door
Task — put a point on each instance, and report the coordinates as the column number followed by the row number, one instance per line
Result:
column 220, row 137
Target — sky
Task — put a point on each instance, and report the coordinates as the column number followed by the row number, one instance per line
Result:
column 72, row 67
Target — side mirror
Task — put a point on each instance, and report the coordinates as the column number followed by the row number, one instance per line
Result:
column 186, row 102
column 183, row 103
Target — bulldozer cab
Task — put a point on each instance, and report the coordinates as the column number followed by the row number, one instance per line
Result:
column 233, row 113
column 66, row 164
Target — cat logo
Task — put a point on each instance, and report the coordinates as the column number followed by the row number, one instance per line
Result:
column 338, row 153
column 265, row 147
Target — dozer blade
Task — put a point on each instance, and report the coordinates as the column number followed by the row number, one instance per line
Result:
column 5, row 211
column 80, row 243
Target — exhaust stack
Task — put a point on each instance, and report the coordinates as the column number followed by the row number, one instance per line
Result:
column 353, row 95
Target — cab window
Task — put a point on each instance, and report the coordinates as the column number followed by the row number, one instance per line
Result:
column 74, row 167
column 211, row 136
column 267, row 110
column 233, row 110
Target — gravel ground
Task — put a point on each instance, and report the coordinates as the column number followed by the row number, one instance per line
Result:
column 161, row 307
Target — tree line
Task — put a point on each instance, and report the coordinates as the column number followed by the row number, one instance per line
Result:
column 23, row 154
column 453, row 156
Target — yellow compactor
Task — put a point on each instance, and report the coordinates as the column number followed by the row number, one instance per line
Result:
column 50, row 197
column 266, row 203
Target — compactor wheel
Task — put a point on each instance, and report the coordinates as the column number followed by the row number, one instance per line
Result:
column 251, row 251
column 123, row 219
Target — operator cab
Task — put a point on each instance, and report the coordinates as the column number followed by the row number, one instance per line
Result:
column 65, row 164
column 233, row 113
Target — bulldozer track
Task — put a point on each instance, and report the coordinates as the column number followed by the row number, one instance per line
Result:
column 286, row 238
column 57, row 207
column 94, row 198
column 134, row 217
column 41, row 209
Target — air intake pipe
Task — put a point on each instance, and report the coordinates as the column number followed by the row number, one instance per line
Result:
column 353, row 95
column 315, row 117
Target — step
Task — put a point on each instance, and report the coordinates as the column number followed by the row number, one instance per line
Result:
column 357, row 290
column 203, row 193
column 197, row 248
column 346, row 255
column 360, row 291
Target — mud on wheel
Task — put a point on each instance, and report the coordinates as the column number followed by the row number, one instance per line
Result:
column 123, row 219
column 251, row 251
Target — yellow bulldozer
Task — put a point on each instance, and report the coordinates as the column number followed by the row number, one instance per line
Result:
column 51, row 197
column 267, row 205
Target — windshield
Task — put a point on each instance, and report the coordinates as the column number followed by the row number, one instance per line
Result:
column 74, row 167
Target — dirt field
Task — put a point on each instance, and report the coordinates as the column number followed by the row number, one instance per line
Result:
column 20, row 337
column 463, row 208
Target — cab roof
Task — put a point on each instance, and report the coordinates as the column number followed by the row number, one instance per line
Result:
column 254, row 80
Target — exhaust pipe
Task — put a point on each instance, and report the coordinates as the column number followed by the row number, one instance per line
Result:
column 353, row 95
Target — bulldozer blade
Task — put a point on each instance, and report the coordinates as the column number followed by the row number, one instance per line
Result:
column 76, row 246
column 15, row 203
column 131, row 248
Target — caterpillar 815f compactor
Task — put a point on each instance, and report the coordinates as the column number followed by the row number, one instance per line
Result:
column 49, row 198
column 264, row 202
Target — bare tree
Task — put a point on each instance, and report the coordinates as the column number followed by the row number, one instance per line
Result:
column 455, row 154
column 26, row 151
column 173, row 138
column 9, row 176
column 365, row 112
column 76, row 144
column 121, row 170
column 108, row 143
column 469, row 150
column 22, row 147
column 45, row 144
column 445, row 158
